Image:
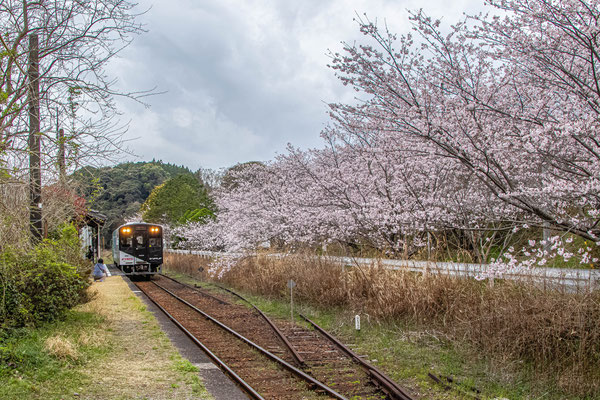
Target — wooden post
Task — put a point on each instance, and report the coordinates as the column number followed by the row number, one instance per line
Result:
column 35, row 176
column 98, row 240
column 428, row 246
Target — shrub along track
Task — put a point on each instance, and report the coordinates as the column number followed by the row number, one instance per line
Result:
column 317, row 355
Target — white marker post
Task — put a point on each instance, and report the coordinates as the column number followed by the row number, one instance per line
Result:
column 357, row 322
column 291, row 284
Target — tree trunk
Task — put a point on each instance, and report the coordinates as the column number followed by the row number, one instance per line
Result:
column 35, row 176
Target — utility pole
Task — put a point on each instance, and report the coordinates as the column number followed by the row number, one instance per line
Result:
column 35, row 176
column 61, row 155
column 60, row 139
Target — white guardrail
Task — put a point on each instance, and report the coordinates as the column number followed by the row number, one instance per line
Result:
column 573, row 278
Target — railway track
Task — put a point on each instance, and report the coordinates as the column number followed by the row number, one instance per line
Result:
column 268, row 360
column 302, row 338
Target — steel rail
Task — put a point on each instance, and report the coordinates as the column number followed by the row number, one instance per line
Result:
column 253, row 393
column 265, row 352
column 295, row 353
column 393, row 389
column 196, row 289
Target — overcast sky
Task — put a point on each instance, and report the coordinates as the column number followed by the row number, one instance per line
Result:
column 242, row 78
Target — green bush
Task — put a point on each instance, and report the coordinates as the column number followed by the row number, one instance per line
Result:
column 42, row 283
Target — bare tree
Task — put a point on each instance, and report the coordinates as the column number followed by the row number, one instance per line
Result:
column 210, row 178
column 76, row 41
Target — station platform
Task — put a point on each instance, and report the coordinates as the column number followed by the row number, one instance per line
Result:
column 216, row 382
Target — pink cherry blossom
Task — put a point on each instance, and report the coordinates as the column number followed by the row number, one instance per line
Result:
column 490, row 129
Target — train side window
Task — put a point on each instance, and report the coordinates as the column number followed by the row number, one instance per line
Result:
column 140, row 241
column 126, row 241
column 154, row 242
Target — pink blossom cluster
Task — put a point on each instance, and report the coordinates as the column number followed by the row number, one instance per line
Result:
column 538, row 254
column 221, row 265
column 488, row 125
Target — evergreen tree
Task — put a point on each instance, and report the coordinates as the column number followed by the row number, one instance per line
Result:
column 178, row 200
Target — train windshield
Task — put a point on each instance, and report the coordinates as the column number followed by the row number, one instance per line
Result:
column 139, row 239
column 154, row 242
column 126, row 241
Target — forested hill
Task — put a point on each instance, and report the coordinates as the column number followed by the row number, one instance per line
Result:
column 119, row 191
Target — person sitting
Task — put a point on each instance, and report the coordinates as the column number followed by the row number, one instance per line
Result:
column 100, row 271
column 90, row 254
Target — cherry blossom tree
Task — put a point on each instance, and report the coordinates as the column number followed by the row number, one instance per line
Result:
column 505, row 100
column 488, row 130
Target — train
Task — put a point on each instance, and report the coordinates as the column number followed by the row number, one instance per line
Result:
column 138, row 248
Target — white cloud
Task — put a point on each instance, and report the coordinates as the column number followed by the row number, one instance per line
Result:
column 182, row 117
column 244, row 78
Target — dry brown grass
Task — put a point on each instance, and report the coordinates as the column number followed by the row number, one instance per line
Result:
column 557, row 333
column 91, row 338
column 61, row 348
column 59, row 207
column 188, row 264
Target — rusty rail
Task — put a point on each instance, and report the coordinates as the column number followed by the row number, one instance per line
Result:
column 265, row 352
column 295, row 354
column 392, row 388
column 196, row 289
column 387, row 384
column 247, row 388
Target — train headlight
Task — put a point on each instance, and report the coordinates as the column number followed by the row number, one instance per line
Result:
column 126, row 230
column 154, row 229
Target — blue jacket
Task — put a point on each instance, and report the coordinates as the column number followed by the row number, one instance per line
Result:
column 100, row 270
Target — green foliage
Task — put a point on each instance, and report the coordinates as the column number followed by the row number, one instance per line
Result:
column 4, row 171
column 42, row 283
column 95, row 187
column 184, row 366
column 178, row 200
column 119, row 191
column 10, row 110
column 26, row 367
column 202, row 215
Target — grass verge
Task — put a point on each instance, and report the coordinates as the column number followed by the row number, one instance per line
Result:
column 109, row 348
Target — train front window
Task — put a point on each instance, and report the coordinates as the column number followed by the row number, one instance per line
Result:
column 139, row 242
column 126, row 241
column 154, row 242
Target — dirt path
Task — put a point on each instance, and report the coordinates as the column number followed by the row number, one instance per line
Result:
column 140, row 361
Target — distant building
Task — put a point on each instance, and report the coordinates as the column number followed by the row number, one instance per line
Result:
column 89, row 225
column 60, row 202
